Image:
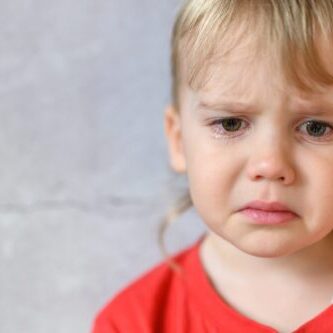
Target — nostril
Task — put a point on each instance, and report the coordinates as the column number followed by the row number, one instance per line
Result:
column 282, row 178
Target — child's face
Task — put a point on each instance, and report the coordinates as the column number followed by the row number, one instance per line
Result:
column 271, row 155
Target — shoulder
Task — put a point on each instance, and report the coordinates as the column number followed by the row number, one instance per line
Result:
column 139, row 304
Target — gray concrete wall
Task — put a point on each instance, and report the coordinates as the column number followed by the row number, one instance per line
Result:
column 84, row 172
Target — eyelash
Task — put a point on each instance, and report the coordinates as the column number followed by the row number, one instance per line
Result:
column 219, row 132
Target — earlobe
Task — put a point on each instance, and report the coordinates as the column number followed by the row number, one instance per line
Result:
column 173, row 132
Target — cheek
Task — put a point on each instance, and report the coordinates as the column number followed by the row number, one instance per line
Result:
column 211, row 172
column 321, row 191
column 314, row 194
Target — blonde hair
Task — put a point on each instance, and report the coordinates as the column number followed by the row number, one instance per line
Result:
column 288, row 29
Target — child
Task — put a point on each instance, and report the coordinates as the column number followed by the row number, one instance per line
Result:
column 251, row 126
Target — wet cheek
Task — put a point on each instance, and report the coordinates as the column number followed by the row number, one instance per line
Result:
column 211, row 164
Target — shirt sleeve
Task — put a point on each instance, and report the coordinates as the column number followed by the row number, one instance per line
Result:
column 104, row 325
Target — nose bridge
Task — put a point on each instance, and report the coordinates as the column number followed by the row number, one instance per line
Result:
column 274, row 138
column 271, row 155
column 272, row 151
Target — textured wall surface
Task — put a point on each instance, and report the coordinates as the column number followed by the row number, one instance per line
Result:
column 84, row 172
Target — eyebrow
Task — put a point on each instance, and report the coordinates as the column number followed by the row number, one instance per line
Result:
column 238, row 107
column 233, row 107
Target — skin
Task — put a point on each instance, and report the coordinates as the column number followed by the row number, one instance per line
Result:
column 272, row 157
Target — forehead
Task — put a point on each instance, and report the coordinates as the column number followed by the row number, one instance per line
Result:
column 247, row 70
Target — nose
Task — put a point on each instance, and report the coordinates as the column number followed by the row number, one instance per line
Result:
column 271, row 161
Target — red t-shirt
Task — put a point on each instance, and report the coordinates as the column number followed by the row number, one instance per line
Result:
column 165, row 301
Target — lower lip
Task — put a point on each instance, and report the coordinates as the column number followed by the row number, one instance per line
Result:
column 268, row 217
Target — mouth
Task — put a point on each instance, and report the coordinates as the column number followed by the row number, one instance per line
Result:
column 261, row 212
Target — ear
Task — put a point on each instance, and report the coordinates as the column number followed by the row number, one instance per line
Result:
column 172, row 128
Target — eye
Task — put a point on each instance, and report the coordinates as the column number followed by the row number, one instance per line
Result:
column 226, row 126
column 317, row 129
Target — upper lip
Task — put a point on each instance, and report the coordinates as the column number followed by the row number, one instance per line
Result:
column 274, row 206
